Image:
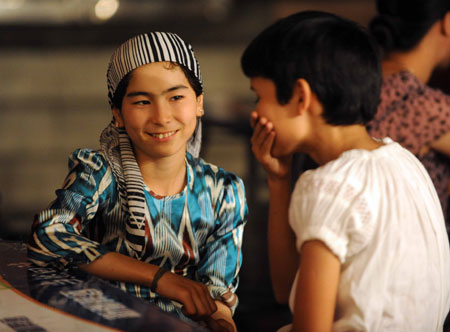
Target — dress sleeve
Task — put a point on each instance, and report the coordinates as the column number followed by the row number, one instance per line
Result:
column 56, row 236
column 333, row 212
column 220, row 263
column 436, row 106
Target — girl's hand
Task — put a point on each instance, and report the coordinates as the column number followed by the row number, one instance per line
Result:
column 197, row 302
column 194, row 296
column 262, row 142
column 219, row 325
column 221, row 320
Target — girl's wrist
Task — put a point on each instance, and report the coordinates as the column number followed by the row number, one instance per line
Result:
column 159, row 273
column 277, row 181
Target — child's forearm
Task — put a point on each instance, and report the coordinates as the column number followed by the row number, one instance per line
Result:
column 194, row 296
column 283, row 256
column 118, row 267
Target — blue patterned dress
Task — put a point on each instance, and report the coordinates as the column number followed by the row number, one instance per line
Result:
column 196, row 233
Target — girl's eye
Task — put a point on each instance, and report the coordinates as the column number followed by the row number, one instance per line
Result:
column 141, row 102
column 257, row 100
column 176, row 97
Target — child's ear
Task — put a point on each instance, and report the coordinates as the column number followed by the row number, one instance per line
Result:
column 117, row 117
column 302, row 92
column 200, row 111
column 446, row 24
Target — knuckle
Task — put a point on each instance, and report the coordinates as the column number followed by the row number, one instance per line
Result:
column 185, row 294
column 191, row 311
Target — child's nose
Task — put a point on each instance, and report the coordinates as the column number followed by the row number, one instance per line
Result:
column 161, row 114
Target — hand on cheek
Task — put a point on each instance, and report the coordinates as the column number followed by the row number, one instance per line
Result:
column 262, row 140
column 253, row 118
column 256, row 120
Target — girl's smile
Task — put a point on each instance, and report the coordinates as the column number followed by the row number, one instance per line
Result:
column 159, row 111
column 163, row 136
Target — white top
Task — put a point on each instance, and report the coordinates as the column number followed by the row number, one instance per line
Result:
column 379, row 213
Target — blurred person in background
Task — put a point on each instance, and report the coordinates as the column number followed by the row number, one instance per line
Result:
column 145, row 211
column 415, row 38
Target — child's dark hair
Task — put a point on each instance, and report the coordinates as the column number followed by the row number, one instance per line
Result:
column 401, row 24
column 123, row 85
column 337, row 57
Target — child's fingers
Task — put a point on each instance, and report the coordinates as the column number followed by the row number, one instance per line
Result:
column 262, row 143
column 253, row 119
column 260, row 129
column 206, row 296
column 266, row 145
column 203, row 303
column 257, row 130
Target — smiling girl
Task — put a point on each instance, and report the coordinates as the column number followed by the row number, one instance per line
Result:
column 145, row 211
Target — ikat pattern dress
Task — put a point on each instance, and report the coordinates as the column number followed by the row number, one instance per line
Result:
column 196, row 233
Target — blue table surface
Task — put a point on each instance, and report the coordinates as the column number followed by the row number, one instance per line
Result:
column 83, row 295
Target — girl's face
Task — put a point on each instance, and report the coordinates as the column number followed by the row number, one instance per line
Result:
column 289, row 130
column 159, row 111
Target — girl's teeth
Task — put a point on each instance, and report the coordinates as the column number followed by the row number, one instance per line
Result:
column 163, row 135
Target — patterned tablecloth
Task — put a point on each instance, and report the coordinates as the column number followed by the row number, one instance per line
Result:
column 35, row 299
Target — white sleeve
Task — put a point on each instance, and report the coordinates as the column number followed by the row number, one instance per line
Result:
column 332, row 211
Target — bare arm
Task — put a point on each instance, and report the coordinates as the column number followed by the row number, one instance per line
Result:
column 317, row 287
column 195, row 297
column 283, row 257
column 118, row 267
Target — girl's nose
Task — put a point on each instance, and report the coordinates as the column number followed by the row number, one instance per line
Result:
column 161, row 113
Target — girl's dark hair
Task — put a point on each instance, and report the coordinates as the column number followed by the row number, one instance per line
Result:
column 337, row 57
column 123, row 85
column 401, row 24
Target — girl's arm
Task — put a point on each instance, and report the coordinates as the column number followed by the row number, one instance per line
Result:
column 317, row 287
column 198, row 303
column 57, row 239
column 283, row 256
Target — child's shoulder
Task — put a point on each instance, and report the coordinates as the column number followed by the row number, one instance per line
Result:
column 203, row 168
column 88, row 158
column 358, row 167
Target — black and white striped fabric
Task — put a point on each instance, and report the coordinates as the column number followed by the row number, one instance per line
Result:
column 148, row 48
column 118, row 151
column 115, row 142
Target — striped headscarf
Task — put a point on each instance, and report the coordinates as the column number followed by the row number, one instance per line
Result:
column 154, row 47
column 115, row 143
column 147, row 48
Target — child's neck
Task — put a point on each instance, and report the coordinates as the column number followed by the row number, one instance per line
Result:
column 331, row 142
column 164, row 177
